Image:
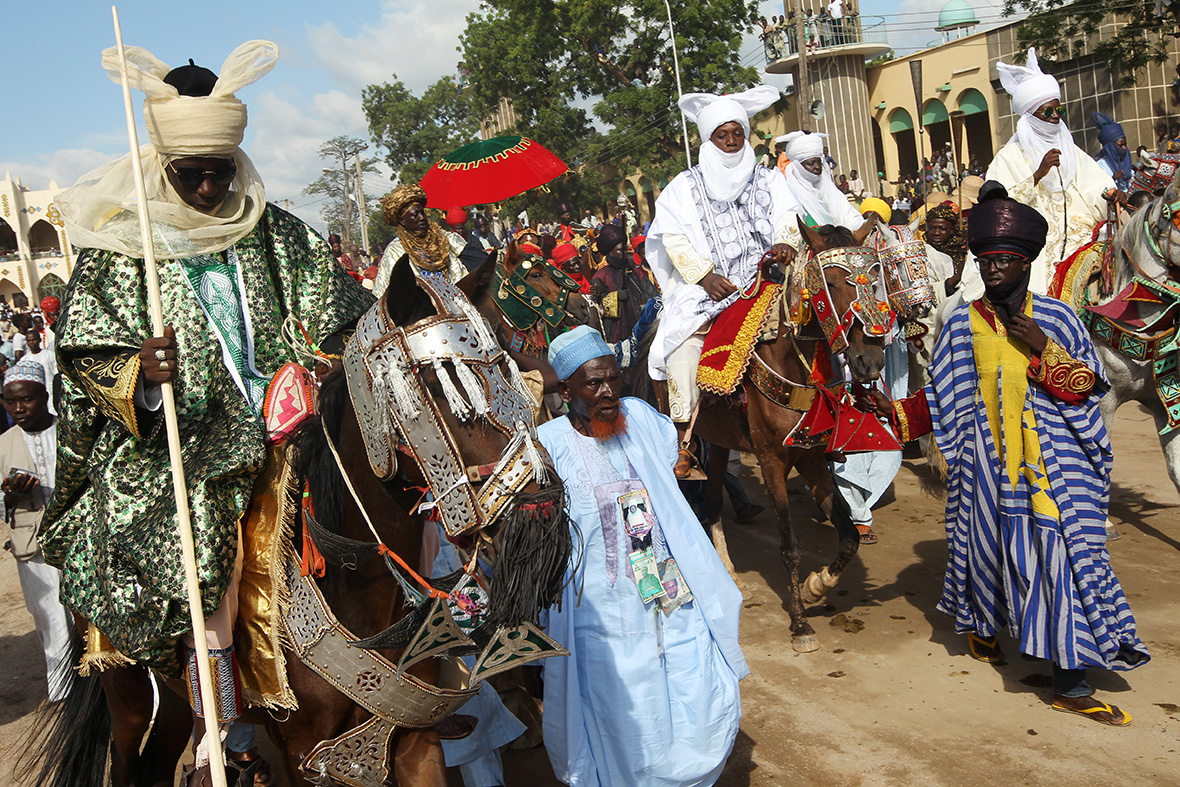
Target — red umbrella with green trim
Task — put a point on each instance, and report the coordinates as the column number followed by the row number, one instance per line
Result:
column 489, row 171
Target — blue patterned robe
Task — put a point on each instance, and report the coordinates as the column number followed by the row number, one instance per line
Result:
column 1048, row 582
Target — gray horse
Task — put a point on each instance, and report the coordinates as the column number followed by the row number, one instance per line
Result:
column 1148, row 246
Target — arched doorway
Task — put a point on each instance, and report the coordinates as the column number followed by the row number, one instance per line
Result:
column 43, row 238
column 11, row 293
column 901, row 128
column 50, row 284
column 937, row 123
column 8, row 243
column 977, row 126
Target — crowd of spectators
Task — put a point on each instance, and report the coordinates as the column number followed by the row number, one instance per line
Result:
column 833, row 25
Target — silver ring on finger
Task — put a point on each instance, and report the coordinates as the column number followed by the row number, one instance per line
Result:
column 161, row 355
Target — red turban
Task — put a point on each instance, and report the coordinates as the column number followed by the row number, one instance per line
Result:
column 50, row 305
column 563, row 252
column 456, row 216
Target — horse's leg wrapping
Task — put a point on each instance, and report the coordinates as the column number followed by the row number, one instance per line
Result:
column 817, row 585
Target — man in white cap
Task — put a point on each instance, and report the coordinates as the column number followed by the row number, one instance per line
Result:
column 232, row 271
column 28, row 457
column 649, row 693
column 1042, row 167
column 713, row 224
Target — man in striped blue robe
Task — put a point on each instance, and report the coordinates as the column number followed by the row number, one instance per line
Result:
column 1013, row 405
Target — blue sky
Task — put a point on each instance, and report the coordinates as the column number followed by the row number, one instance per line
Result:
column 63, row 116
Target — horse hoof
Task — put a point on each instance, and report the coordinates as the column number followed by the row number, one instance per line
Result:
column 805, row 643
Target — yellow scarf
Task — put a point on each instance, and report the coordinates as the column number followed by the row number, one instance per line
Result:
column 1002, row 364
column 430, row 251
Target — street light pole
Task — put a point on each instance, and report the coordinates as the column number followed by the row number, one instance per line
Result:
column 679, row 89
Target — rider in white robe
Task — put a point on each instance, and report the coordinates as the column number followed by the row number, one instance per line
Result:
column 714, row 221
column 817, row 200
column 1042, row 167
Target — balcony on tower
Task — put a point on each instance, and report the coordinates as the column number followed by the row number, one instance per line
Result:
column 827, row 36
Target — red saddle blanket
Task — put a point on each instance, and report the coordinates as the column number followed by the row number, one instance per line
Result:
column 730, row 341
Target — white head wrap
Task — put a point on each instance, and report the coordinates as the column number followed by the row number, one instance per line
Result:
column 726, row 174
column 816, row 193
column 1030, row 89
column 99, row 210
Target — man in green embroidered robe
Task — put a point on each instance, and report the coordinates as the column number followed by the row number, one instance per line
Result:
column 232, row 269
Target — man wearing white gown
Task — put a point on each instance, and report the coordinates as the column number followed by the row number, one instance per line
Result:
column 1042, row 167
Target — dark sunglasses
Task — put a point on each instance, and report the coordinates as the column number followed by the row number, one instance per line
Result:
column 1000, row 262
column 195, row 176
column 1051, row 111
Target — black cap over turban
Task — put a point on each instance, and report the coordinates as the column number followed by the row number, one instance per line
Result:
column 191, row 80
column 1002, row 225
column 609, row 237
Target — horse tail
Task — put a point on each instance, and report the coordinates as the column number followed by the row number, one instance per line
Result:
column 68, row 742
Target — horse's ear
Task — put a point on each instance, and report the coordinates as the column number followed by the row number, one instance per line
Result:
column 405, row 301
column 479, row 279
column 863, row 232
column 814, row 240
column 511, row 255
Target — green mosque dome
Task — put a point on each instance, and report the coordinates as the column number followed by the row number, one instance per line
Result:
column 955, row 14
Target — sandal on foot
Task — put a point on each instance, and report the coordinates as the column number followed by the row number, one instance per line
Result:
column 985, row 649
column 1119, row 718
column 748, row 512
column 253, row 770
column 867, row 536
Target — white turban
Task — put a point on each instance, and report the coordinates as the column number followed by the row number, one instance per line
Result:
column 100, row 209
column 1031, row 88
column 802, row 146
column 711, row 111
column 1028, row 85
column 726, row 174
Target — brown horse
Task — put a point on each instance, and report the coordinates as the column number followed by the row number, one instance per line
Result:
column 528, row 541
column 772, row 413
column 556, row 306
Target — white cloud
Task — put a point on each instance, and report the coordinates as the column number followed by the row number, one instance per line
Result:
column 62, row 166
column 418, row 43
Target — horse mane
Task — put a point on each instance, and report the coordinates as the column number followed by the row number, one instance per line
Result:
column 1132, row 245
column 836, row 237
column 314, row 462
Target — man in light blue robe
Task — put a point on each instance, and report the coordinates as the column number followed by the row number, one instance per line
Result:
column 649, row 693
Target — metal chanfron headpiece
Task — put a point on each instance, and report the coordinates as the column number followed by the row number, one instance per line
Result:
column 907, row 274
column 384, row 364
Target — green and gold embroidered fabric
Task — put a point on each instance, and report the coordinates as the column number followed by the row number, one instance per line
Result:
column 111, row 526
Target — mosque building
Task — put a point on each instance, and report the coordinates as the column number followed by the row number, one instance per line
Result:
column 35, row 257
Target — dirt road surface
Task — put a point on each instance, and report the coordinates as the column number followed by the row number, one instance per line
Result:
column 891, row 697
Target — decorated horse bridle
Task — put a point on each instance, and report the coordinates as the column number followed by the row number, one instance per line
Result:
column 521, row 304
column 869, row 307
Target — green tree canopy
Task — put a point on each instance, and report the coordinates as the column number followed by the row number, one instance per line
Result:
column 554, row 57
column 1064, row 30
column 414, row 132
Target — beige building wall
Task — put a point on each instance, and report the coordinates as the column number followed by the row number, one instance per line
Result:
column 36, row 258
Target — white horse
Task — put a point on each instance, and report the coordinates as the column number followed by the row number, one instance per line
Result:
column 1148, row 246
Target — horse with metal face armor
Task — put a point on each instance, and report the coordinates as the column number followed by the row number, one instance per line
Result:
column 429, row 420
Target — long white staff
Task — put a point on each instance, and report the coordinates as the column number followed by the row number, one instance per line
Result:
column 188, row 555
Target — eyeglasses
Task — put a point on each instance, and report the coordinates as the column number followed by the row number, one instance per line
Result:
column 1049, row 112
column 1000, row 262
column 195, row 176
